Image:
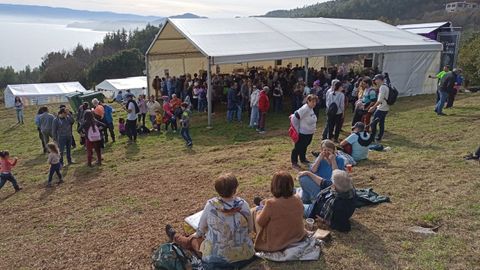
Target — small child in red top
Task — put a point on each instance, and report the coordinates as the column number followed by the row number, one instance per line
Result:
column 6, row 166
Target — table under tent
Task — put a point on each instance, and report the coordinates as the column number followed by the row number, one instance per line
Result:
column 191, row 45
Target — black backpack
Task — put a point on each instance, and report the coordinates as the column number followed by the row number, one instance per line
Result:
column 332, row 109
column 137, row 109
column 392, row 95
column 364, row 142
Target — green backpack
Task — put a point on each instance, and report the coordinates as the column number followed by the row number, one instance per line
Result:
column 169, row 256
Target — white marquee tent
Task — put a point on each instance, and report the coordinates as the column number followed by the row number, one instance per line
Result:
column 189, row 45
column 41, row 93
column 137, row 86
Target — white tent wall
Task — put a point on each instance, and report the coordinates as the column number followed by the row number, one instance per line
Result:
column 409, row 71
column 9, row 98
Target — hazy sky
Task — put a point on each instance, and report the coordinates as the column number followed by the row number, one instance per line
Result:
column 209, row 8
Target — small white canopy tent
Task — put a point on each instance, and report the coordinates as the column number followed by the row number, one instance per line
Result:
column 41, row 93
column 110, row 87
column 189, row 45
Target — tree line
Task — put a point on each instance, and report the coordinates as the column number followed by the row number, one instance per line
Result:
column 120, row 54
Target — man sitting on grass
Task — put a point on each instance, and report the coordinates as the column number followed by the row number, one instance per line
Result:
column 356, row 145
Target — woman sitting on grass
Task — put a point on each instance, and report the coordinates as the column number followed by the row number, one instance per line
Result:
column 336, row 204
column 222, row 239
column 320, row 175
column 279, row 220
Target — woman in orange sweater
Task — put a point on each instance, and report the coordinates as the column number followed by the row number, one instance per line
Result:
column 279, row 220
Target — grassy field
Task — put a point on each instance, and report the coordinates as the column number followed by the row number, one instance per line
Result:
column 112, row 217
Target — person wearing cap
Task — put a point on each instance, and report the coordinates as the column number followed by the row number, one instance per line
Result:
column 447, row 85
column 334, row 205
column 359, row 152
column 380, row 108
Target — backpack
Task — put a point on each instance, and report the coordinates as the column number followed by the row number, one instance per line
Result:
column 94, row 135
column 292, row 131
column 137, row 109
column 332, row 109
column 170, row 256
column 364, row 142
column 392, row 95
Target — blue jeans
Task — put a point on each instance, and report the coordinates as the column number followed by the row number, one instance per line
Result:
column 310, row 188
column 19, row 116
column 186, row 135
column 4, row 177
column 441, row 102
column 65, row 142
column 254, row 116
column 277, row 102
column 239, row 112
column 202, row 105
column 54, row 168
column 381, row 115
column 230, row 114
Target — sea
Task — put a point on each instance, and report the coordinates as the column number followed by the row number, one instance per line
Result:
column 25, row 40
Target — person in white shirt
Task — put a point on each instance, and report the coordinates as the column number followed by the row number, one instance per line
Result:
column 380, row 107
column 132, row 110
column 307, row 124
column 334, row 121
column 255, row 115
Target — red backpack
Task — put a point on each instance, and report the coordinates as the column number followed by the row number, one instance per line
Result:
column 292, row 131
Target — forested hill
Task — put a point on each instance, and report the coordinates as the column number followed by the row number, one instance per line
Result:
column 391, row 11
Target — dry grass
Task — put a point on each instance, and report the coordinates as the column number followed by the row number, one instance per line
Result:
column 113, row 217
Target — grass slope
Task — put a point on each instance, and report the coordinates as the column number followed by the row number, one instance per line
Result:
column 113, row 216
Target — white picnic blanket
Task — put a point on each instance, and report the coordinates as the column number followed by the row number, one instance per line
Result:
column 306, row 250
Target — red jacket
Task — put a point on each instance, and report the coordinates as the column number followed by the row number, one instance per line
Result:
column 263, row 102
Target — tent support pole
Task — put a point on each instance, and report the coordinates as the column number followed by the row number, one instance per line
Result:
column 306, row 71
column 209, row 91
column 183, row 60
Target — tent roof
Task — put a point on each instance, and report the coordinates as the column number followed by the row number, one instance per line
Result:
column 139, row 82
column 424, row 28
column 251, row 39
column 45, row 89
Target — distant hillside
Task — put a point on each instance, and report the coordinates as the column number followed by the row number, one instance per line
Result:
column 66, row 13
column 391, row 11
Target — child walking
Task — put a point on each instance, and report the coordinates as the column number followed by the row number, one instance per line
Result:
column 6, row 166
column 54, row 161
column 185, row 121
column 121, row 126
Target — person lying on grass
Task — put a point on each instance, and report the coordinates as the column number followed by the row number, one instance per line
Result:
column 279, row 220
column 222, row 239
column 320, row 174
column 334, row 205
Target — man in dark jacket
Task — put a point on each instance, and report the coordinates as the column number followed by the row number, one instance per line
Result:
column 62, row 133
column 446, row 86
